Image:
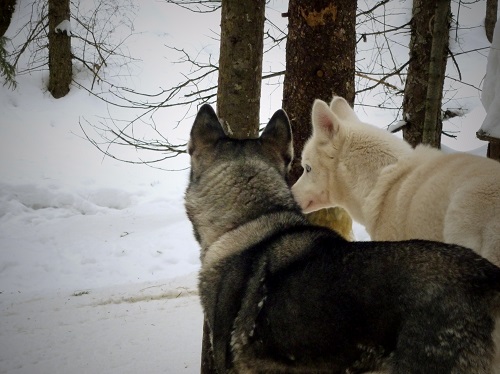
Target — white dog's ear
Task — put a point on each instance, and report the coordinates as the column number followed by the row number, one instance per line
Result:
column 342, row 109
column 323, row 119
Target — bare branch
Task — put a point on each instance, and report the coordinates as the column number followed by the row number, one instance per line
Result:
column 383, row 80
column 197, row 6
column 372, row 9
column 381, row 74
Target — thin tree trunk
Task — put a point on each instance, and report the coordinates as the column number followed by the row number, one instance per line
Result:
column 437, row 66
column 207, row 358
column 320, row 56
column 60, row 66
column 491, row 18
column 240, row 66
column 489, row 25
column 423, row 27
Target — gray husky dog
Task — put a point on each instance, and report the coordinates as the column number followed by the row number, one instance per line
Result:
column 283, row 296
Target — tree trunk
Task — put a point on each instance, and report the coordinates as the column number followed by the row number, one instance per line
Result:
column 7, row 8
column 437, row 66
column 320, row 57
column 416, row 99
column 60, row 66
column 7, row 70
column 491, row 18
column 239, row 88
column 240, row 66
column 489, row 25
column 207, row 358
column 493, row 150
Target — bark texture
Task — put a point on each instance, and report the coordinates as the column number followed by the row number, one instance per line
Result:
column 320, row 60
column 320, row 63
column 207, row 358
column 437, row 66
column 60, row 65
column 7, row 8
column 493, row 151
column 491, row 18
column 423, row 90
column 240, row 66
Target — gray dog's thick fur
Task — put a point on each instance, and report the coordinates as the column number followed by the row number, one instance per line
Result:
column 283, row 296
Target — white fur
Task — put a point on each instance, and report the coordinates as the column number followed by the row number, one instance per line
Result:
column 396, row 192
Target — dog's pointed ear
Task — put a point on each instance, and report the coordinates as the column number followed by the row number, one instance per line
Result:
column 341, row 108
column 278, row 134
column 324, row 121
column 206, row 128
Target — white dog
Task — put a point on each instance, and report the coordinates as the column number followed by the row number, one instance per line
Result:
column 397, row 192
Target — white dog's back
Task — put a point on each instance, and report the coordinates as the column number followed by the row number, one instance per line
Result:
column 396, row 192
column 453, row 198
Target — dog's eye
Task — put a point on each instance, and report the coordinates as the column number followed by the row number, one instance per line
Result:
column 307, row 168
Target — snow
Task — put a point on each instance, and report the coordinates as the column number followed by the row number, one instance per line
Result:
column 491, row 90
column 64, row 27
column 98, row 263
column 136, row 328
column 396, row 126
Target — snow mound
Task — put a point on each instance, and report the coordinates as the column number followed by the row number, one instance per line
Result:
column 57, row 203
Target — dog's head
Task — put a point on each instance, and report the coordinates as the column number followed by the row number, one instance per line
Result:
column 233, row 180
column 343, row 158
column 320, row 156
column 209, row 144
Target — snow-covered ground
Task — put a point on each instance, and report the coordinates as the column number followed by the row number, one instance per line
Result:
column 98, row 264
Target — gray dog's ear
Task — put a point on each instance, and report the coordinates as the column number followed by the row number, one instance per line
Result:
column 206, row 129
column 278, row 134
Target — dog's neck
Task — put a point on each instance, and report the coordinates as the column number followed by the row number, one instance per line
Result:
column 249, row 234
column 366, row 156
